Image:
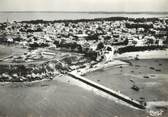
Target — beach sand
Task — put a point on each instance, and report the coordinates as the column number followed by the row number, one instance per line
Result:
column 153, row 54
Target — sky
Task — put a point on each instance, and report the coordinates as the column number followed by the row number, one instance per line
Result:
column 85, row 5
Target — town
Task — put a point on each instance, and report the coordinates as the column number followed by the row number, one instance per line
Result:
column 73, row 44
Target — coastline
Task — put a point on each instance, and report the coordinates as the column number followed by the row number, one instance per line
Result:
column 121, row 60
column 100, row 66
column 152, row 54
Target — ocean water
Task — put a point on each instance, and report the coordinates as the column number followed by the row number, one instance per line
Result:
column 20, row 16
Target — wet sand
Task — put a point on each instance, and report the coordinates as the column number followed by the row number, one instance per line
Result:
column 58, row 99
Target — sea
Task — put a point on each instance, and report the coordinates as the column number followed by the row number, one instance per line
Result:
column 49, row 16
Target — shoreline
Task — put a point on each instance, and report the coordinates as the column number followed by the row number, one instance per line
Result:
column 100, row 66
column 152, row 54
column 118, row 60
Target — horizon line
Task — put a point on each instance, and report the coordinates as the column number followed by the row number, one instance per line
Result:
column 116, row 12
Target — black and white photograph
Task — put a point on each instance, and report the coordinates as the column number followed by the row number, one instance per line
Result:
column 83, row 58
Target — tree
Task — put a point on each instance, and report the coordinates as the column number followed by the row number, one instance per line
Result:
column 165, row 41
column 149, row 41
column 100, row 46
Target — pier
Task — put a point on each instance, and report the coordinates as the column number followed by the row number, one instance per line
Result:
column 109, row 91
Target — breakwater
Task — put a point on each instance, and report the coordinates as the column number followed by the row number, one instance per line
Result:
column 111, row 92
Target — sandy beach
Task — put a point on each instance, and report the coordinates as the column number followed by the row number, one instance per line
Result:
column 153, row 54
